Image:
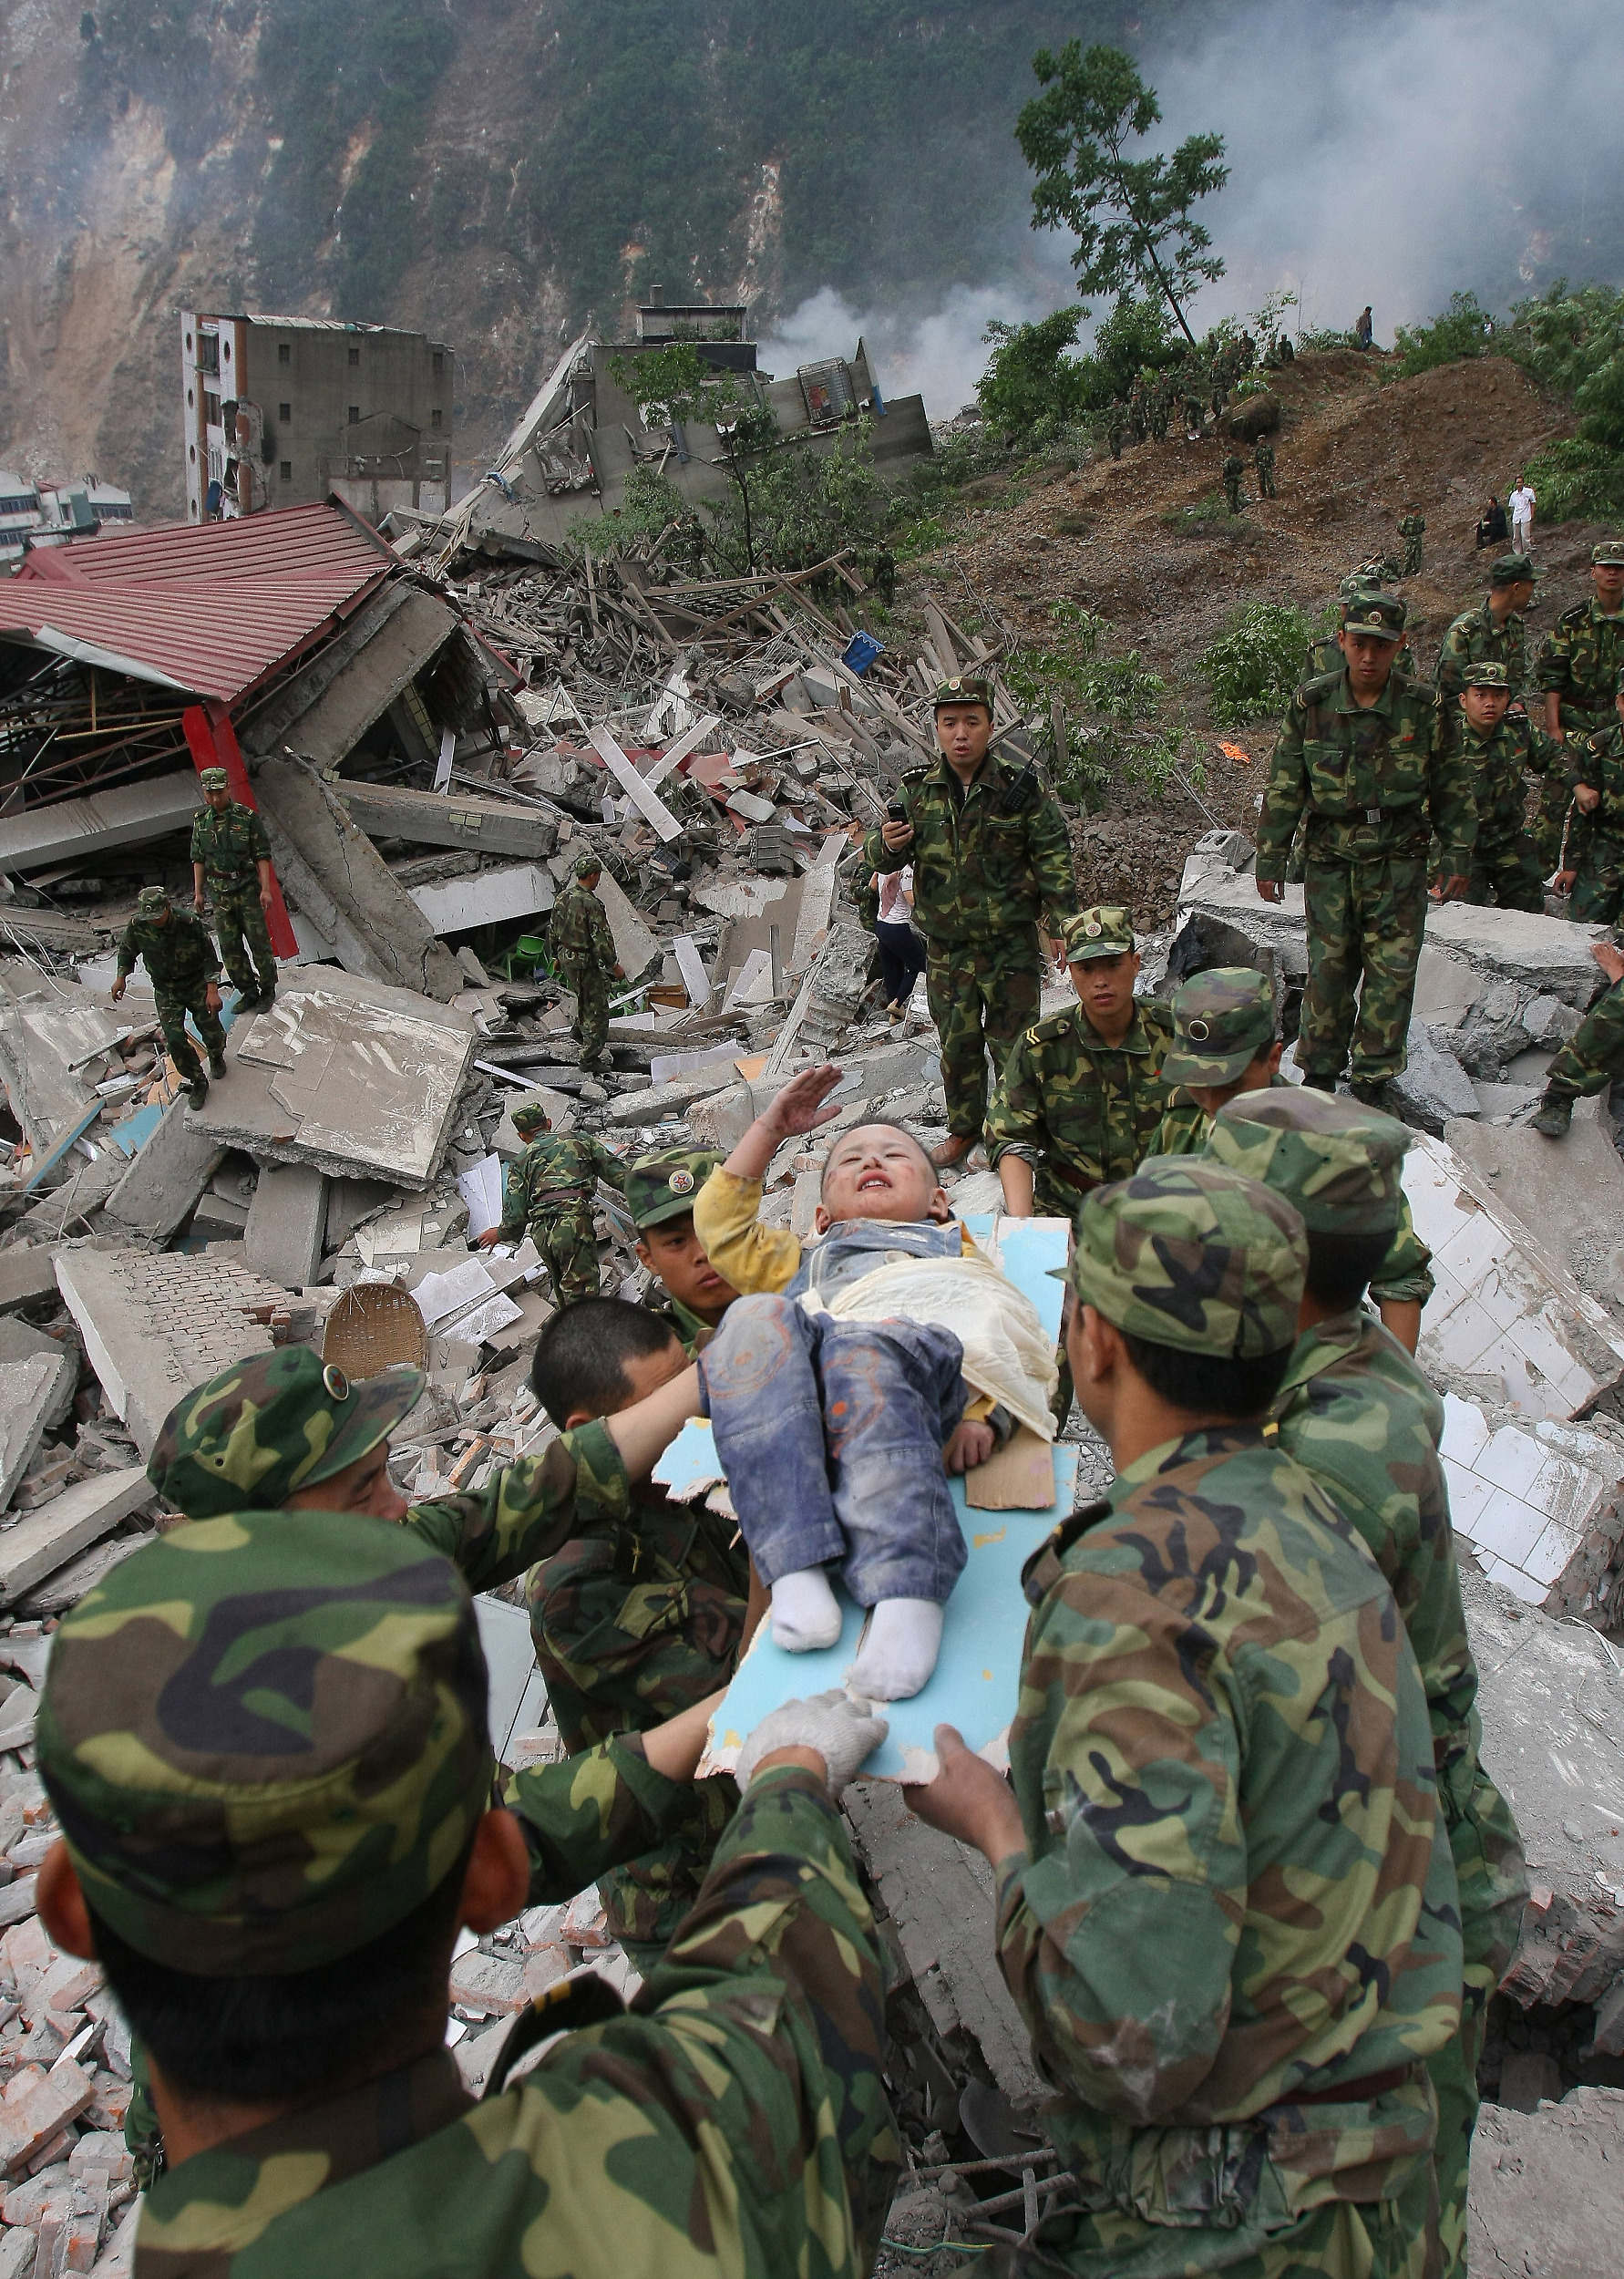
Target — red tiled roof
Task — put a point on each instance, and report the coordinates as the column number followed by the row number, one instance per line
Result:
column 212, row 608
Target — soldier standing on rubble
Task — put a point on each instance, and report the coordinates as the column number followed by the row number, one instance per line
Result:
column 1500, row 746
column 1226, row 1904
column 1364, row 760
column 1365, row 1423
column 1593, row 1056
column 185, row 975
column 989, row 851
column 548, row 1196
column 583, row 953
column 267, row 1735
column 1594, row 874
column 1582, row 655
column 230, row 855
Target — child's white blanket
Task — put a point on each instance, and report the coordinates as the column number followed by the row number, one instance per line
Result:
column 1007, row 1353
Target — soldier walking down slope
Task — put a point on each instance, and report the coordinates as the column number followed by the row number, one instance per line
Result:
column 1234, row 468
column 185, row 974
column 1363, row 758
column 990, row 854
column 1412, row 529
column 230, row 858
column 1264, row 460
column 584, row 954
column 548, row 1196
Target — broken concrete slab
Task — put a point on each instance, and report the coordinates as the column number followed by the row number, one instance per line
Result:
column 1537, row 1501
column 430, row 818
column 1506, row 1323
column 286, row 1225
column 28, row 1275
column 341, row 882
column 346, row 1074
column 489, row 898
column 1544, row 956
column 155, row 1325
column 28, row 1391
column 46, row 1540
column 20, row 1341
column 1434, row 1088
column 166, row 1177
column 1546, row 2191
column 636, row 948
column 124, row 815
column 1568, row 1194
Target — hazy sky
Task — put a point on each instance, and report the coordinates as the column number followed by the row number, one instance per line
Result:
column 1387, row 156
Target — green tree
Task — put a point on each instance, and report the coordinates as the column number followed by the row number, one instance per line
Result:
column 1029, row 377
column 676, row 387
column 1134, row 217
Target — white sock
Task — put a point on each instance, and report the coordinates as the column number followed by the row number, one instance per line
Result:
column 899, row 1650
column 806, row 1613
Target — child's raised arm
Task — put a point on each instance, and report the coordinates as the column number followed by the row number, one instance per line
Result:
column 798, row 1108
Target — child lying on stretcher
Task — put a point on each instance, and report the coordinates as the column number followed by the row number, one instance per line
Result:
column 841, row 1397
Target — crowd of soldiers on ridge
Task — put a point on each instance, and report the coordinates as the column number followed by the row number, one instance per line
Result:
column 1277, row 1533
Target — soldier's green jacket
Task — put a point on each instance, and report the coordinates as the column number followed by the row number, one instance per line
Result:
column 1598, row 760
column 578, row 931
column 556, row 1169
column 180, row 952
column 986, row 861
column 638, row 1616
column 1079, row 1110
column 1406, row 1275
column 733, row 2122
column 1579, row 660
column 1236, row 1882
column 1498, row 762
column 229, row 845
column 1371, row 781
column 1359, row 1417
column 1476, row 639
column 685, row 1322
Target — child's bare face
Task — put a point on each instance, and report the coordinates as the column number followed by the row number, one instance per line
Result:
column 877, row 1173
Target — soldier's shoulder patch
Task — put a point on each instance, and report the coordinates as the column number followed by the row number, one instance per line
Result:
column 1576, row 616
column 917, row 773
column 1053, row 1026
column 1156, row 1014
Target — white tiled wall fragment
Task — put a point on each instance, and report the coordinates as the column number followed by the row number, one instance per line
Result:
column 1523, row 1495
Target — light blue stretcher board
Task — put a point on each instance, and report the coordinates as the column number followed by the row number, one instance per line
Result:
column 973, row 1685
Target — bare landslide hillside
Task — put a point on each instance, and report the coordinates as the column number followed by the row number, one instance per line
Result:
column 1353, row 452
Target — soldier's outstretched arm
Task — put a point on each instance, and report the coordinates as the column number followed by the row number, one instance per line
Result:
column 606, row 1806
column 1016, row 1122
column 530, row 1509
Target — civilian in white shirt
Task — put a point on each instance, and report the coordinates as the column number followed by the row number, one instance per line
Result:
column 1521, row 503
column 901, row 952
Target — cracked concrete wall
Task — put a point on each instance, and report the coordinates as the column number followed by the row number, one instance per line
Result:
column 337, row 877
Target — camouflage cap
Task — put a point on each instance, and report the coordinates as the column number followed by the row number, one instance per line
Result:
column 666, row 1184
column 964, row 689
column 1222, row 1020
column 1381, row 615
column 214, row 780
column 151, row 901
column 1355, row 588
column 528, row 1113
column 587, row 863
column 1487, row 673
column 1106, row 931
column 1609, row 554
column 1511, row 570
column 264, row 1737
column 1189, row 1253
column 256, row 1434
column 1338, row 1164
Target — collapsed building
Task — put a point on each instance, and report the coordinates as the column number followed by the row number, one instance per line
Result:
column 433, row 731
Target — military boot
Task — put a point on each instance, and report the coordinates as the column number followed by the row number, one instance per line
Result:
column 1315, row 1080
column 1369, row 1092
column 216, row 1067
column 1552, row 1118
column 197, row 1091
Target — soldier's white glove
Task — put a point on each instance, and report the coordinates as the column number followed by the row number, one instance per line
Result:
column 844, row 1730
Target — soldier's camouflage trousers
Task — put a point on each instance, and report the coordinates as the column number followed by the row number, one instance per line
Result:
column 982, row 995
column 1593, row 1056
column 174, row 1005
column 244, row 940
column 1380, row 2238
column 1598, row 890
column 590, row 1027
column 1506, row 871
column 1412, row 568
column 1364, row 928
column 568, row 1251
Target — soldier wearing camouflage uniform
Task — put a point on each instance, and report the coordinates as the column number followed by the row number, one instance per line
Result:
column 688, row 1292
column 1326, row 655
column 1226, row 1904
column 1264, row 460
column 638, row 1617
column 1580, row 657
column 230, row 858
column 548, row 1196
column 1412, row 529
column 583, row 955
column 184, row 970
column 1234, row 468
column 1494, row 634
column 1364, row 760
column 990, row 853
column 265, row 1737
column 1082, row 1095
column 1361, row 1418
column 1225, row 1045
column 1593, row 1056
column 1501, row 749
column 1593, row 867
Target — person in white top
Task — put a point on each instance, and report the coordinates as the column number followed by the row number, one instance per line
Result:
column 1521, row 503
column 901, row 952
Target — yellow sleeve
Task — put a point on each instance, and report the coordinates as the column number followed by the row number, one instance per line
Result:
column 744, row 1252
